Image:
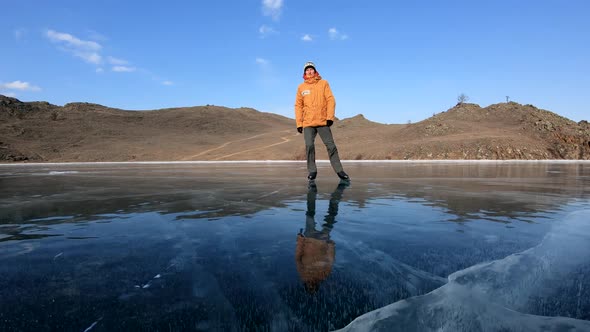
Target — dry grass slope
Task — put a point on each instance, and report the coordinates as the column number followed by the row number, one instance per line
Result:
column 39, row 131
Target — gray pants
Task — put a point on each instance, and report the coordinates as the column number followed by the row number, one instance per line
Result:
column 309, row 133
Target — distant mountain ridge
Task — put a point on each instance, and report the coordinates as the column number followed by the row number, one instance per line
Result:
column 77, row 132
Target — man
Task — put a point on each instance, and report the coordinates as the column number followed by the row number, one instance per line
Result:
column 314, row 114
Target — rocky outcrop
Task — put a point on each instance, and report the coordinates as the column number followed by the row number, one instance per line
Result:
column 7, row 153
column 12, row 107
column 499, row 131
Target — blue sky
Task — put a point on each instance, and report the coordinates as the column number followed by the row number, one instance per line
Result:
column 392, row 61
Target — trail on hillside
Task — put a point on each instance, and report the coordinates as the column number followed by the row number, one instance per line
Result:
column 284, row 138
column 222, row 146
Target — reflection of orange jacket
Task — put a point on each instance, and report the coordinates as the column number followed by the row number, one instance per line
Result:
column 314, row 259
column 314, row 103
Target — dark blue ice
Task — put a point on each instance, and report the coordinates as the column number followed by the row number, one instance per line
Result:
column 249, row 247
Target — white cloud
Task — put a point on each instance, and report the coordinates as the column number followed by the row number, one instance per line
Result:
column 123, row 69
column 306, row 38
column 265, row 30
column 336, row 35
column 83, row 49
column 115, row 61
column 19, row 85
column 272, row 8
column 71, row 41
column 91, row 52
column 90, row 57
column 262, row 62
column 9, row 94
column 19, row 33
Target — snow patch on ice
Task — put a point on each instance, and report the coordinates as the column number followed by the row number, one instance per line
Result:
column 495, row 296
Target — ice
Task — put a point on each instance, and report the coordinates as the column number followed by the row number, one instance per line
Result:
column 92, row 325
column 414, row 280
column 62, row 172
column 214, row 245
column 449, row 161
column 498, row 295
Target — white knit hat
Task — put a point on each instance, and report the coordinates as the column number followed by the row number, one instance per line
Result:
column 309, row 64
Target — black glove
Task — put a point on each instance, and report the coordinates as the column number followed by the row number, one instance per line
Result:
column 300, row 129
column 329, row 122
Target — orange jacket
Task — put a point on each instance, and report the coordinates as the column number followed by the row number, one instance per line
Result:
column 314, row 103
column 314, row 259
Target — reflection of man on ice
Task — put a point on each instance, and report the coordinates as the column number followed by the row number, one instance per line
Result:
column 315, row 251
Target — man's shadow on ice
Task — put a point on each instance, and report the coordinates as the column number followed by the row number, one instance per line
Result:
column 315, row 251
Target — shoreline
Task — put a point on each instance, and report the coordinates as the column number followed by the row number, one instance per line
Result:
column 384, row 161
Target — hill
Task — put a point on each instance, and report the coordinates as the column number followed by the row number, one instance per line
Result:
column 39, row 131
column 499, row 131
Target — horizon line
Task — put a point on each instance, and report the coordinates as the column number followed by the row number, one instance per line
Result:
column 418, row 161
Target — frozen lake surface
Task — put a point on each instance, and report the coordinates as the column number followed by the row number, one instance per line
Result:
column 249, row 247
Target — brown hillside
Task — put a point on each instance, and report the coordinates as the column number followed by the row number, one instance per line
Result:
column 39, row 131
column 90, row 132
column 499, row 131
